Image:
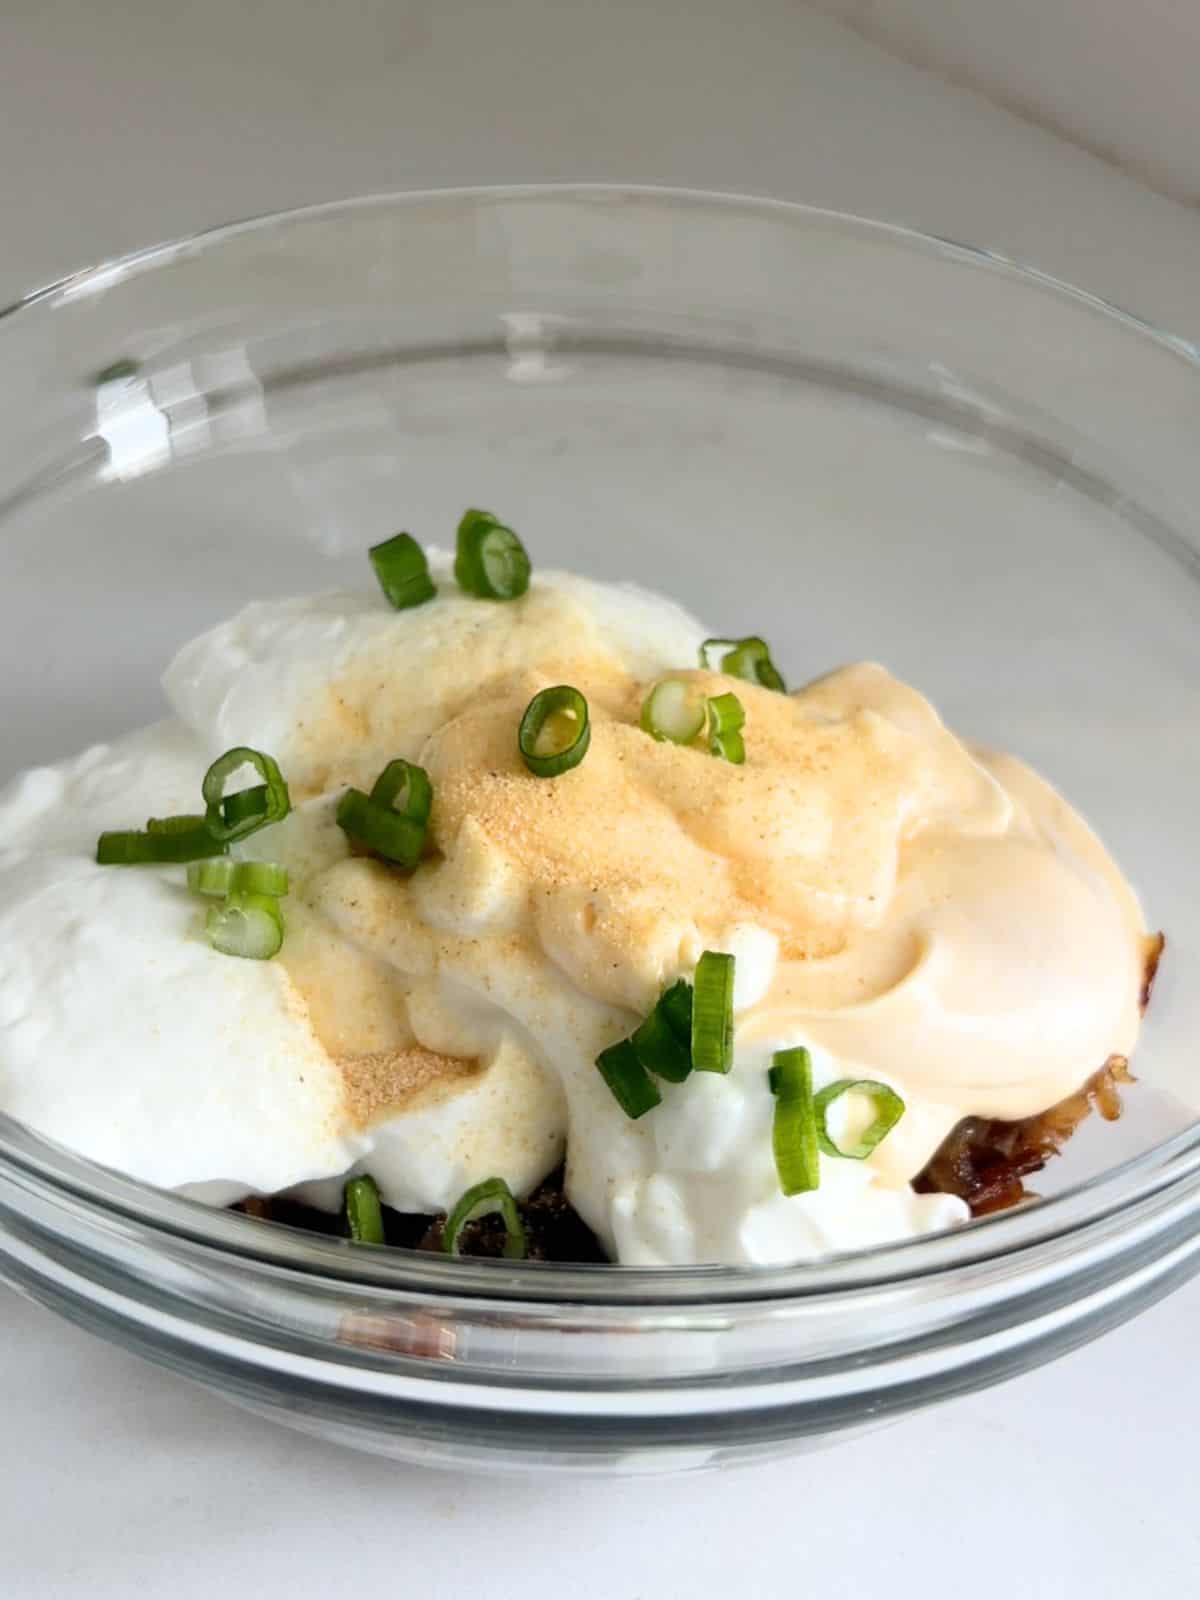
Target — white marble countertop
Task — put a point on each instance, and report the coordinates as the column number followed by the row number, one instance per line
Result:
column 131, row 122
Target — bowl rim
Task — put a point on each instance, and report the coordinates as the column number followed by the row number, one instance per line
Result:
column 101, row 274
column 39, row 1166
column 35, row 1163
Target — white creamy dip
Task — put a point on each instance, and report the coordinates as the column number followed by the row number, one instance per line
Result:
column 911, row 909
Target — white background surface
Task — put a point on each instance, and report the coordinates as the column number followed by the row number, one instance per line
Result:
column 131, row 121
column 1118, row 78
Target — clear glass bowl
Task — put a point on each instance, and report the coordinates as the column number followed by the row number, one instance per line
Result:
column 850, row 438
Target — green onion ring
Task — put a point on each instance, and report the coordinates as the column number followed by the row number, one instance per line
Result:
column 714, row 651
column 663, row 1043
column 403, row 571
column 364, row 1215
column 277, row 804
column 237, row 877
column 674, row 710
column 729, row 747
column 794, row 1128
column 726, row 718
column 246, row 805
column 165, row 841
column 748, row 658
column 632, row 1087
column 555, row 731
column 492, row 1196
column 247, row 925
column 725, row 714
column 406, row 789
column 712, row 1013
column 174, row 826
column 490, row 561
column 381, row 830
column 889, row 1108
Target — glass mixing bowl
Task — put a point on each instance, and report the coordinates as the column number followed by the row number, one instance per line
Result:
column 852, row 439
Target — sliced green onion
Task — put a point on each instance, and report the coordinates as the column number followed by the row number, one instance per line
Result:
column 246, row 805
column 249, row 925
column 211, row 877
column 712, row 1013
column 726, row 718
column 490, row 1198
column 378, row 828
column 364, row 1216
column 889, row 1108
column 790, row 1074
column 748, row 658
column 490, row 561
column 633, row 1088
column 714, row 651
column 794, row 1130
column 729, row 747
column 555, row 732
column 725, row 714
column 393, row 819
column 403, row 571
column 173, row 826
column 237, row 877
column 221, row 808
column 663, row 1043
column 676, row 1006
column 406, row 789
column 752, row 661
column 260, row 877
column 160, row 844
column 674, row 710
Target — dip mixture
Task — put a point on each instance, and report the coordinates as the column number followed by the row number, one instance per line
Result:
column 744, row 960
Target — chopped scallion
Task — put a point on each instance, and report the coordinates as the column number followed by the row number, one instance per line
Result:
column 380, row 829
column 748, row 658
column 403, row 571
column 674, row 710
column 889, row 1108
column 726, row 718
column 794, row 1129
column 237, row 877
column 159, row 845
column 632, row 1086
column 248, row 925
column 712, row 1013
column 555, row 731
column 364, row 1215
column 174, row 826
column 490, row 1198
column 406, row 789
column 714, row 651
column 235, row 816
column 663, row 1043
column 490, row 561
column 246, row 806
